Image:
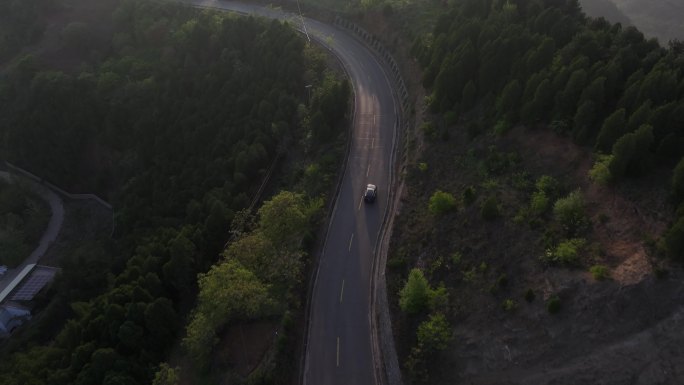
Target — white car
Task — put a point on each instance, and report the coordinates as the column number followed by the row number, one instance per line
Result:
column 370, row 194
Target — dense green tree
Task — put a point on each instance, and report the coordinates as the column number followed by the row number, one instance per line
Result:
column 508, row 102
column 161, row 319
column 415, row 295
column 660, row 85
column 569, row 97
column 614, row 127
column 441, row 203
column 569, row 212
column 283, row 220
column 640, row 117
column 583, row 121
column 434, row 334
column 595, row 92
column 469, row 95
column 166, row 375
column 228, row 292
column 539, row 107
column 630, row 153
column 178, row 270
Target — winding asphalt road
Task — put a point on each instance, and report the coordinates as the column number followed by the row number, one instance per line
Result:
column 339, row 336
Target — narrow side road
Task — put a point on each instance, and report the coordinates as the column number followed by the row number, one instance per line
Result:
column 50, row 234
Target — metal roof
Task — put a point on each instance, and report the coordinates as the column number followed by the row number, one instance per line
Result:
column 39, row 278
column 15, row 282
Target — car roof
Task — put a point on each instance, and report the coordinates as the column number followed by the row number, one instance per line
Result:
column 371, row 186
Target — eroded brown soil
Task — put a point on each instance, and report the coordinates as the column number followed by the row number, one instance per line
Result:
column 624, row 330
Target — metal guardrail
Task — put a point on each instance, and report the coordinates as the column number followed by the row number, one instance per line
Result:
column 59, row 190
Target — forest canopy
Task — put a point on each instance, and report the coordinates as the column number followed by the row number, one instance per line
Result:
column 543, row 63
column 175, row 120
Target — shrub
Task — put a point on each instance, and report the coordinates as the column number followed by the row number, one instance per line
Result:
column 470, row 275
column 456, row 258
column 600, row 172
column 539, row 202
column 630, row 153
column 501, row 127
column 565, row 253
column 521, row 180
column 439, row 298
column 434, row 334
column 521, row 216
column 397, row 262
column 553, row 305
column 502, row 281
column 422, row 166
column 547, row 184
column 490, row 209
column 560, row 127
column 428, row 129
column 415, row 295
column 569, row 212
column 599, row 272
column 509, row 305
column 441, row 202
column 469, row 195
column 529, row 295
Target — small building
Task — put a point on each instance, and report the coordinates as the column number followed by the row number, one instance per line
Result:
column 23, row 288
column 11, row 317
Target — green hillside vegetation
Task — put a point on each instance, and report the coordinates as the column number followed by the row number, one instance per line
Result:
column 177, row 119
column 525, row 79
column 23, row 219
column 546, row 65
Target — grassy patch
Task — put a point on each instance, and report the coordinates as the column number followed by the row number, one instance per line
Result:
column 599, row 272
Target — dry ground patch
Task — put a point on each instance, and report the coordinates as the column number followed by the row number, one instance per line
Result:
column 615, row 331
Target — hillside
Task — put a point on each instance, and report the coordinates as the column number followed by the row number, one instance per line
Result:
column 539, row 239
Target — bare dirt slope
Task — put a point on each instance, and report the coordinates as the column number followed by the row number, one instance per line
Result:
column 624, row 330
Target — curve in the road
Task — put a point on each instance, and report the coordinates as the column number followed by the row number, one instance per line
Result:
column 338, row 349
column 51, row 231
